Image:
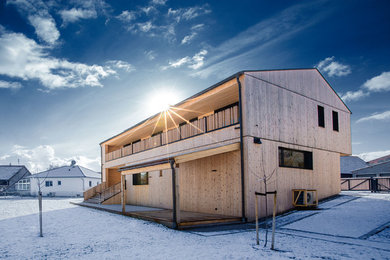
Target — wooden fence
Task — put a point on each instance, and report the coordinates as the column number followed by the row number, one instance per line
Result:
column 373, row 184
column 220, row 119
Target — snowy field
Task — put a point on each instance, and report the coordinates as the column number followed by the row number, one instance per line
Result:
column 352, row 226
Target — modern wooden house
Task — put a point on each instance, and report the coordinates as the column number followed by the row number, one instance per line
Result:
column 209, row 153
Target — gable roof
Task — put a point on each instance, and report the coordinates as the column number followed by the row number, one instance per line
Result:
column 374, row 169
column 351, row 163
column 68, row 172
column 380, row 159
column 8, row 171
column 236, row 75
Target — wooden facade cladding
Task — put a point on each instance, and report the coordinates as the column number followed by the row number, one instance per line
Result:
column 282, row 106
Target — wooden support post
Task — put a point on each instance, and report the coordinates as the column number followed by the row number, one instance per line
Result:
column 177, row 198
column 273, row 223
column 257, row 220
column 123, row 197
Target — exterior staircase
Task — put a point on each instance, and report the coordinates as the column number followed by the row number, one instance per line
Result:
column 101, row 193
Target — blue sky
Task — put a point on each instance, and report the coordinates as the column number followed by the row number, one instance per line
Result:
column 73, row 74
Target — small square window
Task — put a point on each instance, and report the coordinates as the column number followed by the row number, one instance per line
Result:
column 141, row 178
column 59, row 183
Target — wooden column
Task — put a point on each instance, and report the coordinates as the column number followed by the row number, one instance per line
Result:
column 123, row 189
column 175, row 197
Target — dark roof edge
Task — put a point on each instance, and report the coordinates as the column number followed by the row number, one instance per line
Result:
column 146, row 164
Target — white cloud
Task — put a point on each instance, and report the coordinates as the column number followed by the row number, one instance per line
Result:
column 381, row 116
column 194, row 62
column 379, row 83
column 373, row 155
column 40, row 158
column 159, row 2
column 354, row 95
column 23, row 58
column 11, row 85
column 45, row 28
column 145, row 27
column 151, row 55
column 76, row 14
column 37, row 13
column 123, row 65
column 333, row 68
column 127, row 16
column 188, row 38
column 188, row 13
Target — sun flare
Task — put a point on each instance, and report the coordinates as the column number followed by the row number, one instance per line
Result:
column 162, row 101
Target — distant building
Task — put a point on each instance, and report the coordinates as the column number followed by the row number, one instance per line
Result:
column 377, row 170
column 9, row 177
column 64, row 181
column 349, row 164
column 379, row 160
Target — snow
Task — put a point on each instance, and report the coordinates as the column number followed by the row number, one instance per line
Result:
column 76, row 232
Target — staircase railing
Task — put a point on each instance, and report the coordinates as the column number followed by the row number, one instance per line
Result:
column 102, row 191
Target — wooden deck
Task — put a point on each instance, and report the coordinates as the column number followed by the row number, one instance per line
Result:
column 164, row 216
column 188, row 218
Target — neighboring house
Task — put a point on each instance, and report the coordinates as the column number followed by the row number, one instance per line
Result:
column 64, row 181
column 376, row 170
column 198, row 156
column 9, row 177
column 380, row 160
column 349, row 164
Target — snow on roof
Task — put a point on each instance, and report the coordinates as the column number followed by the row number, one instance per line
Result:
column 68, row 172
column 351, row 163
column 7, row 171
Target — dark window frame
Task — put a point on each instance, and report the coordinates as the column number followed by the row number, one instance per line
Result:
column 138, row 179
column 49, row 184
column 321, row 116
column 335, row 120
column 307, row 158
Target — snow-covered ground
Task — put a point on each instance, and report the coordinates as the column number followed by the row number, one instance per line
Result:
column 355, row 225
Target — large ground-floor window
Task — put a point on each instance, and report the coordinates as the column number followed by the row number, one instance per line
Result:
column 295, row 158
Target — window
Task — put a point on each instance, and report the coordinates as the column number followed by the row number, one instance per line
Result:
column 141, row 178
column 295, row 158
column 49, row 183
column 90, row 183
column 23, row 184
column 59, row 183
column 321, row 116
column 335, row 118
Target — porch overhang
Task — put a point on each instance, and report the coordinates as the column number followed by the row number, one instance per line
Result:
column 147, row 166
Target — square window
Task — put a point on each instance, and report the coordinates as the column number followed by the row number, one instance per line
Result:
column 141, row 178
column 59, row 182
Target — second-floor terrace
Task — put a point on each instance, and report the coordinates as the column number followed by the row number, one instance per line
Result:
column 202, row 114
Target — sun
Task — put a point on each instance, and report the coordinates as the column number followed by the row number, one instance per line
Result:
column 162, row 100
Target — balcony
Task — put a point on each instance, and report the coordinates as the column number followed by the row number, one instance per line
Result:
column 221, row 118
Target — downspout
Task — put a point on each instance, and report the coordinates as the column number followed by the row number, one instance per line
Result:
column 243, row 217
column 174, row 217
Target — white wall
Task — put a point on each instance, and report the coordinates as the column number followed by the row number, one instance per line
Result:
column 68, row 187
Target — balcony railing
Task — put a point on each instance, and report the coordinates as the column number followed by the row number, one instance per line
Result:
column 221, row 118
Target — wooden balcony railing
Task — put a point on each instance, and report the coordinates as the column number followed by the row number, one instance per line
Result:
column 221, row 118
